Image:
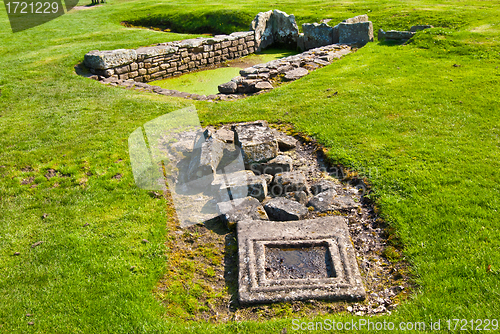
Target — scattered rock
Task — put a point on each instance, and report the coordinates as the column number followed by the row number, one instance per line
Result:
column 145, row 241
column 323, row 185
column 254, row 186
column 394, row 35
column 17, row 254
column 330, row 201
column 241, row 209
column 45, row 215
column 225, row 135
column 283, row 209
column 420, row 27
column 263, row 85
column 256, row 141
column 298, row 196
column 208, row 152
column 28, row 180
column 355, row 33
column 280, row 164
column 117, row 176
column 288, row 182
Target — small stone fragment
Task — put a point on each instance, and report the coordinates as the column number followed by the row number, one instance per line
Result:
column 322, row 185
column 262, row 85
column 329, row 201
column 228, row 87
column 241, row 209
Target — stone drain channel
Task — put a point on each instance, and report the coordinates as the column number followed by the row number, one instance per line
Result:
column 302, row 233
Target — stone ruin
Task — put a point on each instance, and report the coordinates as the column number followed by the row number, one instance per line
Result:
column 293, row 239
column 133, row 68
column 400, row 36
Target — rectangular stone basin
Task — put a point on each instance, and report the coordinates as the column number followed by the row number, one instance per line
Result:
column 297, row 260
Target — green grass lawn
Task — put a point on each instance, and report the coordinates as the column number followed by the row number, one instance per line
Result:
column 420, row 120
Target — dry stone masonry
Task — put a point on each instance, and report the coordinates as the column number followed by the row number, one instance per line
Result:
column 133, row 68
column 301, row 233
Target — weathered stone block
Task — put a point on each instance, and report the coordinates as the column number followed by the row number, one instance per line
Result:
column 103, row 60
column 355, row 33
column 280, row 164
column 256, row 141
column 323, row 185
column 289, row 182
column 122, row 69
column 283, row 209
column 241, row 209
column 330, row 201
column 420, row 27
column 316, row 35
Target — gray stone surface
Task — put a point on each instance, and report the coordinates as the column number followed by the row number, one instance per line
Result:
column 256, row 285
column 263, row 85
column 285, row 142
column 316, row 35
column 263, row 28
column 280, row 164
column 323, row 185
column 228, row 87
column 296, row 73
column 225, row 135
column 394, row 35
column 357, row 19
column 355, row 33
column 288, row 182
column 285, row 29
column 103, row 60
column 256, row 141
column 298, row 196
column 330, row 201
column 241, row 209
column 283, row 209
column 207, row 154
column 254, row 186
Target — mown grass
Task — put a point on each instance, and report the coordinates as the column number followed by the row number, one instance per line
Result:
column 425, row 132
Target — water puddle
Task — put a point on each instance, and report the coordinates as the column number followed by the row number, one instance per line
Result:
column 298, row 262
column 205, row 82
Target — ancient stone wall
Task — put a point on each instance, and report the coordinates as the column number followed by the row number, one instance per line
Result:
column 170, row 59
